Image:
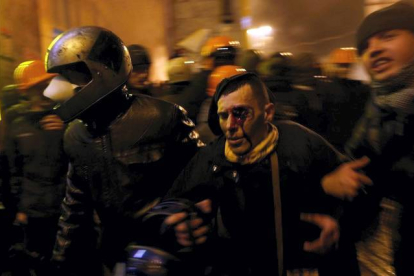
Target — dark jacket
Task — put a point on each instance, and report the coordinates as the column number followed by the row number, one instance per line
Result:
column 343, row 104
column 120, row 172
column 246, row 242
column 387, row 138
column 38, row 165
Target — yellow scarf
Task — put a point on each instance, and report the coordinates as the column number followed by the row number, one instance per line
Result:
column 258, row 153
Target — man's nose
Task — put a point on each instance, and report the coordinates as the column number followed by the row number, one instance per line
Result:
column 232, row 123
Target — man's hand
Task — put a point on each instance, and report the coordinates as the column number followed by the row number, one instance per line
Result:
column 189, row 228
column 346, row 181
column 51, row 122
column 329, row 237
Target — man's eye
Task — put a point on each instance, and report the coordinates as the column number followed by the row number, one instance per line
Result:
column 240, row 113
column 389, row 35
column 223, row 115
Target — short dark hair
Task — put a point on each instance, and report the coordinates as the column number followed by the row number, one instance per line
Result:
column 257, row 86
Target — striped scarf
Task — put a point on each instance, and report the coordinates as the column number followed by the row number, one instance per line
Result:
column 258, row 153
column 397, row 93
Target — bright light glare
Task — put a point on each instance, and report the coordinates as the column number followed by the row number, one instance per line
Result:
column 261, row 31
column 140, row 253
column 260, row 38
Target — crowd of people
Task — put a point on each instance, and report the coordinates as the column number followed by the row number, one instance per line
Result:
column 250, row 166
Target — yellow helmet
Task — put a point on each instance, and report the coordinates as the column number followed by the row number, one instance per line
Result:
column 219, row 74
column 219, row 43
column 30, row 73
column 343, row 55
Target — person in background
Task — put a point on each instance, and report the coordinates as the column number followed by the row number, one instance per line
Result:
column 138, row 81
column 38, row 165
column 306, row 70
column 276, row 73
column 10, row 96
column 249, row 59
column 343, row 99
column 217, row 51
column 179, row 77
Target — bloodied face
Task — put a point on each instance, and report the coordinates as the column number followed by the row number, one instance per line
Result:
column 243, row 119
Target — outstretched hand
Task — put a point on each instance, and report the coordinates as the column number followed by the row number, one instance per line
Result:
column 329, row 236
column 346, row 181
column 189, row 228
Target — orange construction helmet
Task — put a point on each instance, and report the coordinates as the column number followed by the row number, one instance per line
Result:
column 218, row 43
column 30, row 73
column 219, row 74
column 343, row 55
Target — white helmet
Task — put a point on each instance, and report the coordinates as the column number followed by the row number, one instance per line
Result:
column 179, row 69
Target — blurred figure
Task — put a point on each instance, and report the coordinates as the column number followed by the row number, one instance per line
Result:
column 276, row 73
column 138, row 81
column 179, row 75
column 10, row 96
column 38, row 166
column 306, row 67
column 307, row 76
column 385, row 134
column 340, row 62
column 217, row 51
column 125, row 151
column 249, row 60
column 343, row 99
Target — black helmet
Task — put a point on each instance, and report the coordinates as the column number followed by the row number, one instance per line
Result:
column 94, row 54
column 224, row 56
column 139, row 55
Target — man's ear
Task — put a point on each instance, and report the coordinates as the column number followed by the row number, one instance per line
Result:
column 269, row 112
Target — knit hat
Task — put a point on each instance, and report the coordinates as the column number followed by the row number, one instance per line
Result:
column 397, row 16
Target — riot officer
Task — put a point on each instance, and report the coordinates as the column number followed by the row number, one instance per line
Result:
column 125, row 150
